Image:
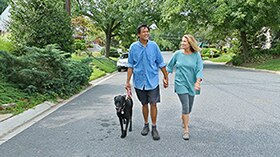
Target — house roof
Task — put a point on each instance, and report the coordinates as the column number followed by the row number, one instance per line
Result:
column 4, row 18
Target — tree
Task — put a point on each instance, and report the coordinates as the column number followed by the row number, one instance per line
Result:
column 39, row 23
column 118, row 18
column 225, row 17
column 3, row 5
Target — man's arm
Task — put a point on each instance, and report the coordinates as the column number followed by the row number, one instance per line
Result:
column 129, row 74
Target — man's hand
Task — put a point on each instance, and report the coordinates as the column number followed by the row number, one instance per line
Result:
column 165, row 82
column 128, row 89
column 127, row 86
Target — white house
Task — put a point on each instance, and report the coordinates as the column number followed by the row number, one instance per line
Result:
column 4, row 19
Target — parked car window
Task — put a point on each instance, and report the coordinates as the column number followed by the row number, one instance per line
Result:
column 124, row 56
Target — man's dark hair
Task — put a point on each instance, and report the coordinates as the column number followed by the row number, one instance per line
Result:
column 138, row 31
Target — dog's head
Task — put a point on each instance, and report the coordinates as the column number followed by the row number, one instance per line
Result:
column 119, row 102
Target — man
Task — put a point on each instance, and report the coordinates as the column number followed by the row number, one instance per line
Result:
column 144, row 60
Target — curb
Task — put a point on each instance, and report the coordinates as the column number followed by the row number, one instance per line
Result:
column 14, row 123
column 254, row 69
column 240, row 67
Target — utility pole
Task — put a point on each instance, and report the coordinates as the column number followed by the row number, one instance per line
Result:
column 68, row 6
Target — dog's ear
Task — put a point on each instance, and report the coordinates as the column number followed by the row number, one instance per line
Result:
column 115, row 98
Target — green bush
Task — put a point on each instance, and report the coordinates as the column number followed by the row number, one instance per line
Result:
column 113, row 52
column 45, row 71
column 39, row 23
column 255, row 56
column 206, row 52
column 237, row 60
column 80, row 44
column 10, row 93
column 276, row 50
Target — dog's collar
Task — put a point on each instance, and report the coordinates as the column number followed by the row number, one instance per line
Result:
column 121, row 109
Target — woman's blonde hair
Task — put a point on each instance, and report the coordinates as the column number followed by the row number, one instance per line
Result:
column 193, row 43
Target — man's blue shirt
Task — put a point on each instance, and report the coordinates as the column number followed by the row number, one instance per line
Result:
column 145, row 62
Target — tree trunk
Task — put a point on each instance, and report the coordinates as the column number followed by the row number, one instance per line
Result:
column 68, row 7
column 244, row 44
column 108, row 43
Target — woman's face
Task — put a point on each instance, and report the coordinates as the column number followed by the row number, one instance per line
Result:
column 185, row 43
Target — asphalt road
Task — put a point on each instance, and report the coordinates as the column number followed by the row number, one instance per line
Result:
column 237, row 114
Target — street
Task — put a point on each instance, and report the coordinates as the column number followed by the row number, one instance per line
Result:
column 237, row 114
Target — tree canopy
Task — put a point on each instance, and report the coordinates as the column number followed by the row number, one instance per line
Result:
column 39, row 23
column 119, row 18
column 3, row 5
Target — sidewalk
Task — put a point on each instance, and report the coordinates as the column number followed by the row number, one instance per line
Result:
column 11, row 125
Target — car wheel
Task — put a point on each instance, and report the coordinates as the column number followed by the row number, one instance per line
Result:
column 119, row 69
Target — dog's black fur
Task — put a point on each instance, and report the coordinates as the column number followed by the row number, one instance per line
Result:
column 124, row 112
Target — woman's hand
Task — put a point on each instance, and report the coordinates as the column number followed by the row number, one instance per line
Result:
column 197, row 85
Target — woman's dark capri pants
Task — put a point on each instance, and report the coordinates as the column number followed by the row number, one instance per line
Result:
column 148, row 96
column 187, row 102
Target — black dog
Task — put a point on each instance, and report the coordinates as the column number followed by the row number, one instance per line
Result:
column 124, row 112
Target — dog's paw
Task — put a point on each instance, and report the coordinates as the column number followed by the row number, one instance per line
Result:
column 129, row 129
column 123, row 135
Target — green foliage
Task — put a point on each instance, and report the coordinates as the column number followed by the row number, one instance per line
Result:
column 206, row 52
column 97, row 73
column 217, row 20
column 119, row 19
column 3, row 5
column 101, row 65
column 9, row 93
column 113, row 52
column 104, row 64
column 270, row 64
column 223, row 58
column 39, row 23
column 45, row 71
column 80, row 44
column 257, row 56
column 5, row 45
column 238, row 59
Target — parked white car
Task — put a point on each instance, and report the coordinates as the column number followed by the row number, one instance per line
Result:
column 122, row 62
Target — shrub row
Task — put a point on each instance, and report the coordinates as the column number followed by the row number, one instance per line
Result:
column 45, row 71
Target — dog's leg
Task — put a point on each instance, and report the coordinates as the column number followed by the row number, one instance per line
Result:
column 126, row 126
column 121, row 123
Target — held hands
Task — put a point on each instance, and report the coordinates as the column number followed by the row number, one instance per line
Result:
column 165, row 82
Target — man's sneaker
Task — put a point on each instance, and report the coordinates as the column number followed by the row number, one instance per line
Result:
column 155, row 133
column 145, row 130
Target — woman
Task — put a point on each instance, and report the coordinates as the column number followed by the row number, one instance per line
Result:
column 188, row 75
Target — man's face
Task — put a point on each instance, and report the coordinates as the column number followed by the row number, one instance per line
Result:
column 144, row 33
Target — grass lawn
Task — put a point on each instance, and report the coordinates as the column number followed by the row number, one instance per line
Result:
column 222, row 58
column 5, row 44
column 273, row 64
column 96, row 74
